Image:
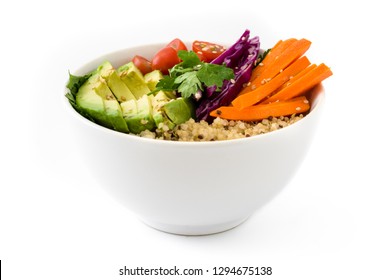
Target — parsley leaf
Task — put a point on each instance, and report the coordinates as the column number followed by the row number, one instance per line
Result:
column 167, row 83
column 189, row 59
column 213, row 74
column 261, row 56
column 189, row 84
column 192, row 75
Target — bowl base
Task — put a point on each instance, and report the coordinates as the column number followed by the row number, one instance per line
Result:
column 190, row 230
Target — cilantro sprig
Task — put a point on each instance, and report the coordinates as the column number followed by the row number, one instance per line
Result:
column 192, row 75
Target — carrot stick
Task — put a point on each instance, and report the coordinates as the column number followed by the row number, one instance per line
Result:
column 254, row 83
column 259, row 112
column 306, row 82
column 291, row 53
column 264, row 89
column 275, row 51
column 294, row 78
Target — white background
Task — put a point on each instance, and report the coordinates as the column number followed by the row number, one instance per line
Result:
column 332, row 220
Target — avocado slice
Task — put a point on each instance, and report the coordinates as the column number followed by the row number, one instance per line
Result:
column 129, row 108
column 138, row 114
column 114, row 82
column 92, row 104
column 179, row 110
column 152, row 78
column 158, row 101
column 133, row 79
column 112, row 108
column 95, row 98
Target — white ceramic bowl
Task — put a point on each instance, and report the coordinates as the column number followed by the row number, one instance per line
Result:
column 192, row 188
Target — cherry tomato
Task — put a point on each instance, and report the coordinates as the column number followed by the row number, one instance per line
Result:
column 165, row 59
column 208, row 50
column 143, row 64
column 177, row 44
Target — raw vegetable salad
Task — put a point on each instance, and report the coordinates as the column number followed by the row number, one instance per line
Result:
column 201, row 84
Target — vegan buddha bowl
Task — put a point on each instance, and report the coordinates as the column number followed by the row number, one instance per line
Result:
column 194, row 138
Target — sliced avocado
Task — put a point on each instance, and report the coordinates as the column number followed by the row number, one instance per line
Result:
column 112, row 108
column 133, row 79
column 92, row 104
column 179, row 110
column 158, row 101
column 152, row 78
column 116, row 85
column 129, row 108
column 138, row 114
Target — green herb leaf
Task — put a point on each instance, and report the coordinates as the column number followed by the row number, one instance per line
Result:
column 262, row 56
column 213, row 74
column 189, row 84
column 192, row 75
column 189, row 59
column 166, row 83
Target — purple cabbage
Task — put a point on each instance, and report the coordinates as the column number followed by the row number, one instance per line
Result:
column 241, row 57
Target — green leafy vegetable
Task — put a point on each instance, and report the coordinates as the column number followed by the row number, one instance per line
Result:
column 189, row 59
column 74, row 83
column 192, row 75
column 261, row 56
column 189, row 83
column 214, row 74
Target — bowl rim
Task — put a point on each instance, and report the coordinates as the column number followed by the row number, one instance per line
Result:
column 319, row 99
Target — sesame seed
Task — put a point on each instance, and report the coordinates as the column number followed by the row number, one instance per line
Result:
column 281, row 70
column 306, row 101
column 232, row 81
column 123, row 98
column 261, row 64
column 298, row 108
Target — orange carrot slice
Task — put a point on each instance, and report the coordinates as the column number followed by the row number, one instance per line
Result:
column 290, row 54
column 301, row 85
column 258, row 112
column 275, row 51
column 264, row 89
column 296, row 77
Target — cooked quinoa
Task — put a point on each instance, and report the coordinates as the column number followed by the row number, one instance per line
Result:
column 219, row 129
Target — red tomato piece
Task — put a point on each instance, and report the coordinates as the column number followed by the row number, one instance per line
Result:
column 165, row 59
column 208, row 50
column 177, row 44
column 143, row 64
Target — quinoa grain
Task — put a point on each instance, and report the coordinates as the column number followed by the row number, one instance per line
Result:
column 220, row 129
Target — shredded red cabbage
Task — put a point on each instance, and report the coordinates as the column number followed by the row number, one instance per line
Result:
column 241, row 57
